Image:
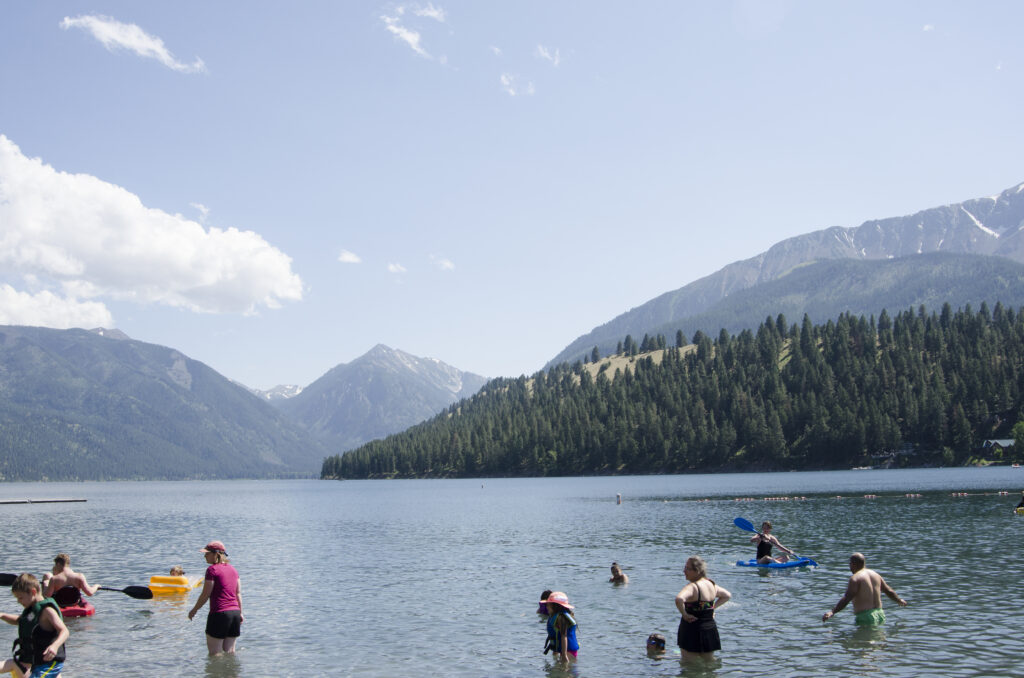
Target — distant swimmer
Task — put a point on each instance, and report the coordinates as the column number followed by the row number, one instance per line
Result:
column 618, row 576
column 865, row 590
column 63, row 577
column 1021, row 504
column 765, row 541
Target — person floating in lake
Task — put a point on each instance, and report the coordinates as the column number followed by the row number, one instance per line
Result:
column 618, row 576
column 765, row 541
column 64, row 584
column 697, row 602
column 39, row 649
column 1021, row 504
column 864, row 589
column 561, row 627
column 177, row 571
column 655, row 645
column 223, row 589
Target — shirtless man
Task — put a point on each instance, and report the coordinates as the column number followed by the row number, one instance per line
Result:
column 618, row 576
column 865, row 589
column 62, row 576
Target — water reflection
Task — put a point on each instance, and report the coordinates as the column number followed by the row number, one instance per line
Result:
column 223, row 666
column 699, row 665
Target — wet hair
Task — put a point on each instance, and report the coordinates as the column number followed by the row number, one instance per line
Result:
column 698, row 565
column 176, row 571
column 62, row 559
column 767, row 524
column 25, row 583
column 656, row 640
column 615, row 566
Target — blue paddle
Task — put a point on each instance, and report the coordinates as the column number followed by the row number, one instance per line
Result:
column 745, row 524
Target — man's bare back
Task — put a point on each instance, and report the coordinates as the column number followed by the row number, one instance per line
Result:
column 864, row 589
column 62, row 575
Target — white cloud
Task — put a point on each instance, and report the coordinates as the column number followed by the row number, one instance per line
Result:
column 430, row 12
column 513, row 87
column 116, row 35
column 928, row 27
column 46, row 309
column 91, row 239
column 347, row 257
column 443, row 264
column 553, row 56
column 406, row 35
column 203, row 210
column 496, row 50
column 396, row 268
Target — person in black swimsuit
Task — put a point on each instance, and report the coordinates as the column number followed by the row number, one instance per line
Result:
column 697, row 602
column 765, row 541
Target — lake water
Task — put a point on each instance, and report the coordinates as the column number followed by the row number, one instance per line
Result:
column 441, row 577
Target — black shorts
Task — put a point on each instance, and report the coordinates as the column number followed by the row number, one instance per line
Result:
column 227, row 624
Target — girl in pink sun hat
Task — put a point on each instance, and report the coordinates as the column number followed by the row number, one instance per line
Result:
column 561, row 626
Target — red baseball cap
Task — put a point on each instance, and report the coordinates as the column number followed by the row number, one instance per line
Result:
column 214, row 546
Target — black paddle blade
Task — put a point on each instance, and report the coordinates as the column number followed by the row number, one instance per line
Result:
column 140, row 592
column 7, row 579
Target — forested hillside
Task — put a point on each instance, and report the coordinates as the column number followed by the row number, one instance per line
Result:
column 781, row 397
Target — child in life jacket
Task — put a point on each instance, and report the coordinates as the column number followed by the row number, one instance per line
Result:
column 41, row 632
column 561, row 626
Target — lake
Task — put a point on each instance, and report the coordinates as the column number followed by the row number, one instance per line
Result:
column 442, row 577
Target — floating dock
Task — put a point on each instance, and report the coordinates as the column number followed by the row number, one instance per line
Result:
column 38, row 501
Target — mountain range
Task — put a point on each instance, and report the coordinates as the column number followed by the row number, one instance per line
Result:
column 79, row 404
column 985, row 226
column 382, row 392
column 94, row 405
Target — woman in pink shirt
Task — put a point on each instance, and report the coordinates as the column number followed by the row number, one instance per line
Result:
column 223, row 589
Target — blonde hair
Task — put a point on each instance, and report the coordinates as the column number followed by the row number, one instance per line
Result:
column 25, row 583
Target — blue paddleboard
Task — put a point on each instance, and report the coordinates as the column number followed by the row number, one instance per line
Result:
column 799, row 562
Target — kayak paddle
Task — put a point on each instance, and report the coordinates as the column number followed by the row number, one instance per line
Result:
column 7, row 579
column 140, row 592
column 745, row 524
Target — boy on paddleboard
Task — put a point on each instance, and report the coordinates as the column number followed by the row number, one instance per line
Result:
column 41, row 632
column 865, row 590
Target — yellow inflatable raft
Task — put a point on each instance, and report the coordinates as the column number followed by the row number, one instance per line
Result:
column 169, row 586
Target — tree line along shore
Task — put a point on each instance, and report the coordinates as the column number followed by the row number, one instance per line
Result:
column 918, row 388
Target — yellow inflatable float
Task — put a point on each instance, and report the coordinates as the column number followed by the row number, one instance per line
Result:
column 170, row 586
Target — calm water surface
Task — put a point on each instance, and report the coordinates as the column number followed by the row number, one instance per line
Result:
column 441, row 578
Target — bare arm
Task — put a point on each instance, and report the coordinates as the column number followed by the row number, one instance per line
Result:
column 887, row 590
column 238, row 595
column 721, row 597
column 681, row 604
column 203, row 597
column 9, row 618
column 86, row 589
column 851, row 592
column 57, row 624
column 773, row 539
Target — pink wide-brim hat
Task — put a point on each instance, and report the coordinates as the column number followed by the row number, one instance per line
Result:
column 559, row 598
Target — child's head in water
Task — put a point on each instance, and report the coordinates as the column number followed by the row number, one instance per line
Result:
column 176, row 571
column 655, row 643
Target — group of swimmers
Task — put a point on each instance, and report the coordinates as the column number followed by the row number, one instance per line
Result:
column 700, row 597
column 39, row 651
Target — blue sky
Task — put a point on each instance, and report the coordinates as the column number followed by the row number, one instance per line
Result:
column 275, row 188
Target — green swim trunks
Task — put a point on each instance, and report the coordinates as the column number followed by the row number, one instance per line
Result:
column 874, row 617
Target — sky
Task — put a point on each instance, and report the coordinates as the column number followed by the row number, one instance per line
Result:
column 275, row 188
